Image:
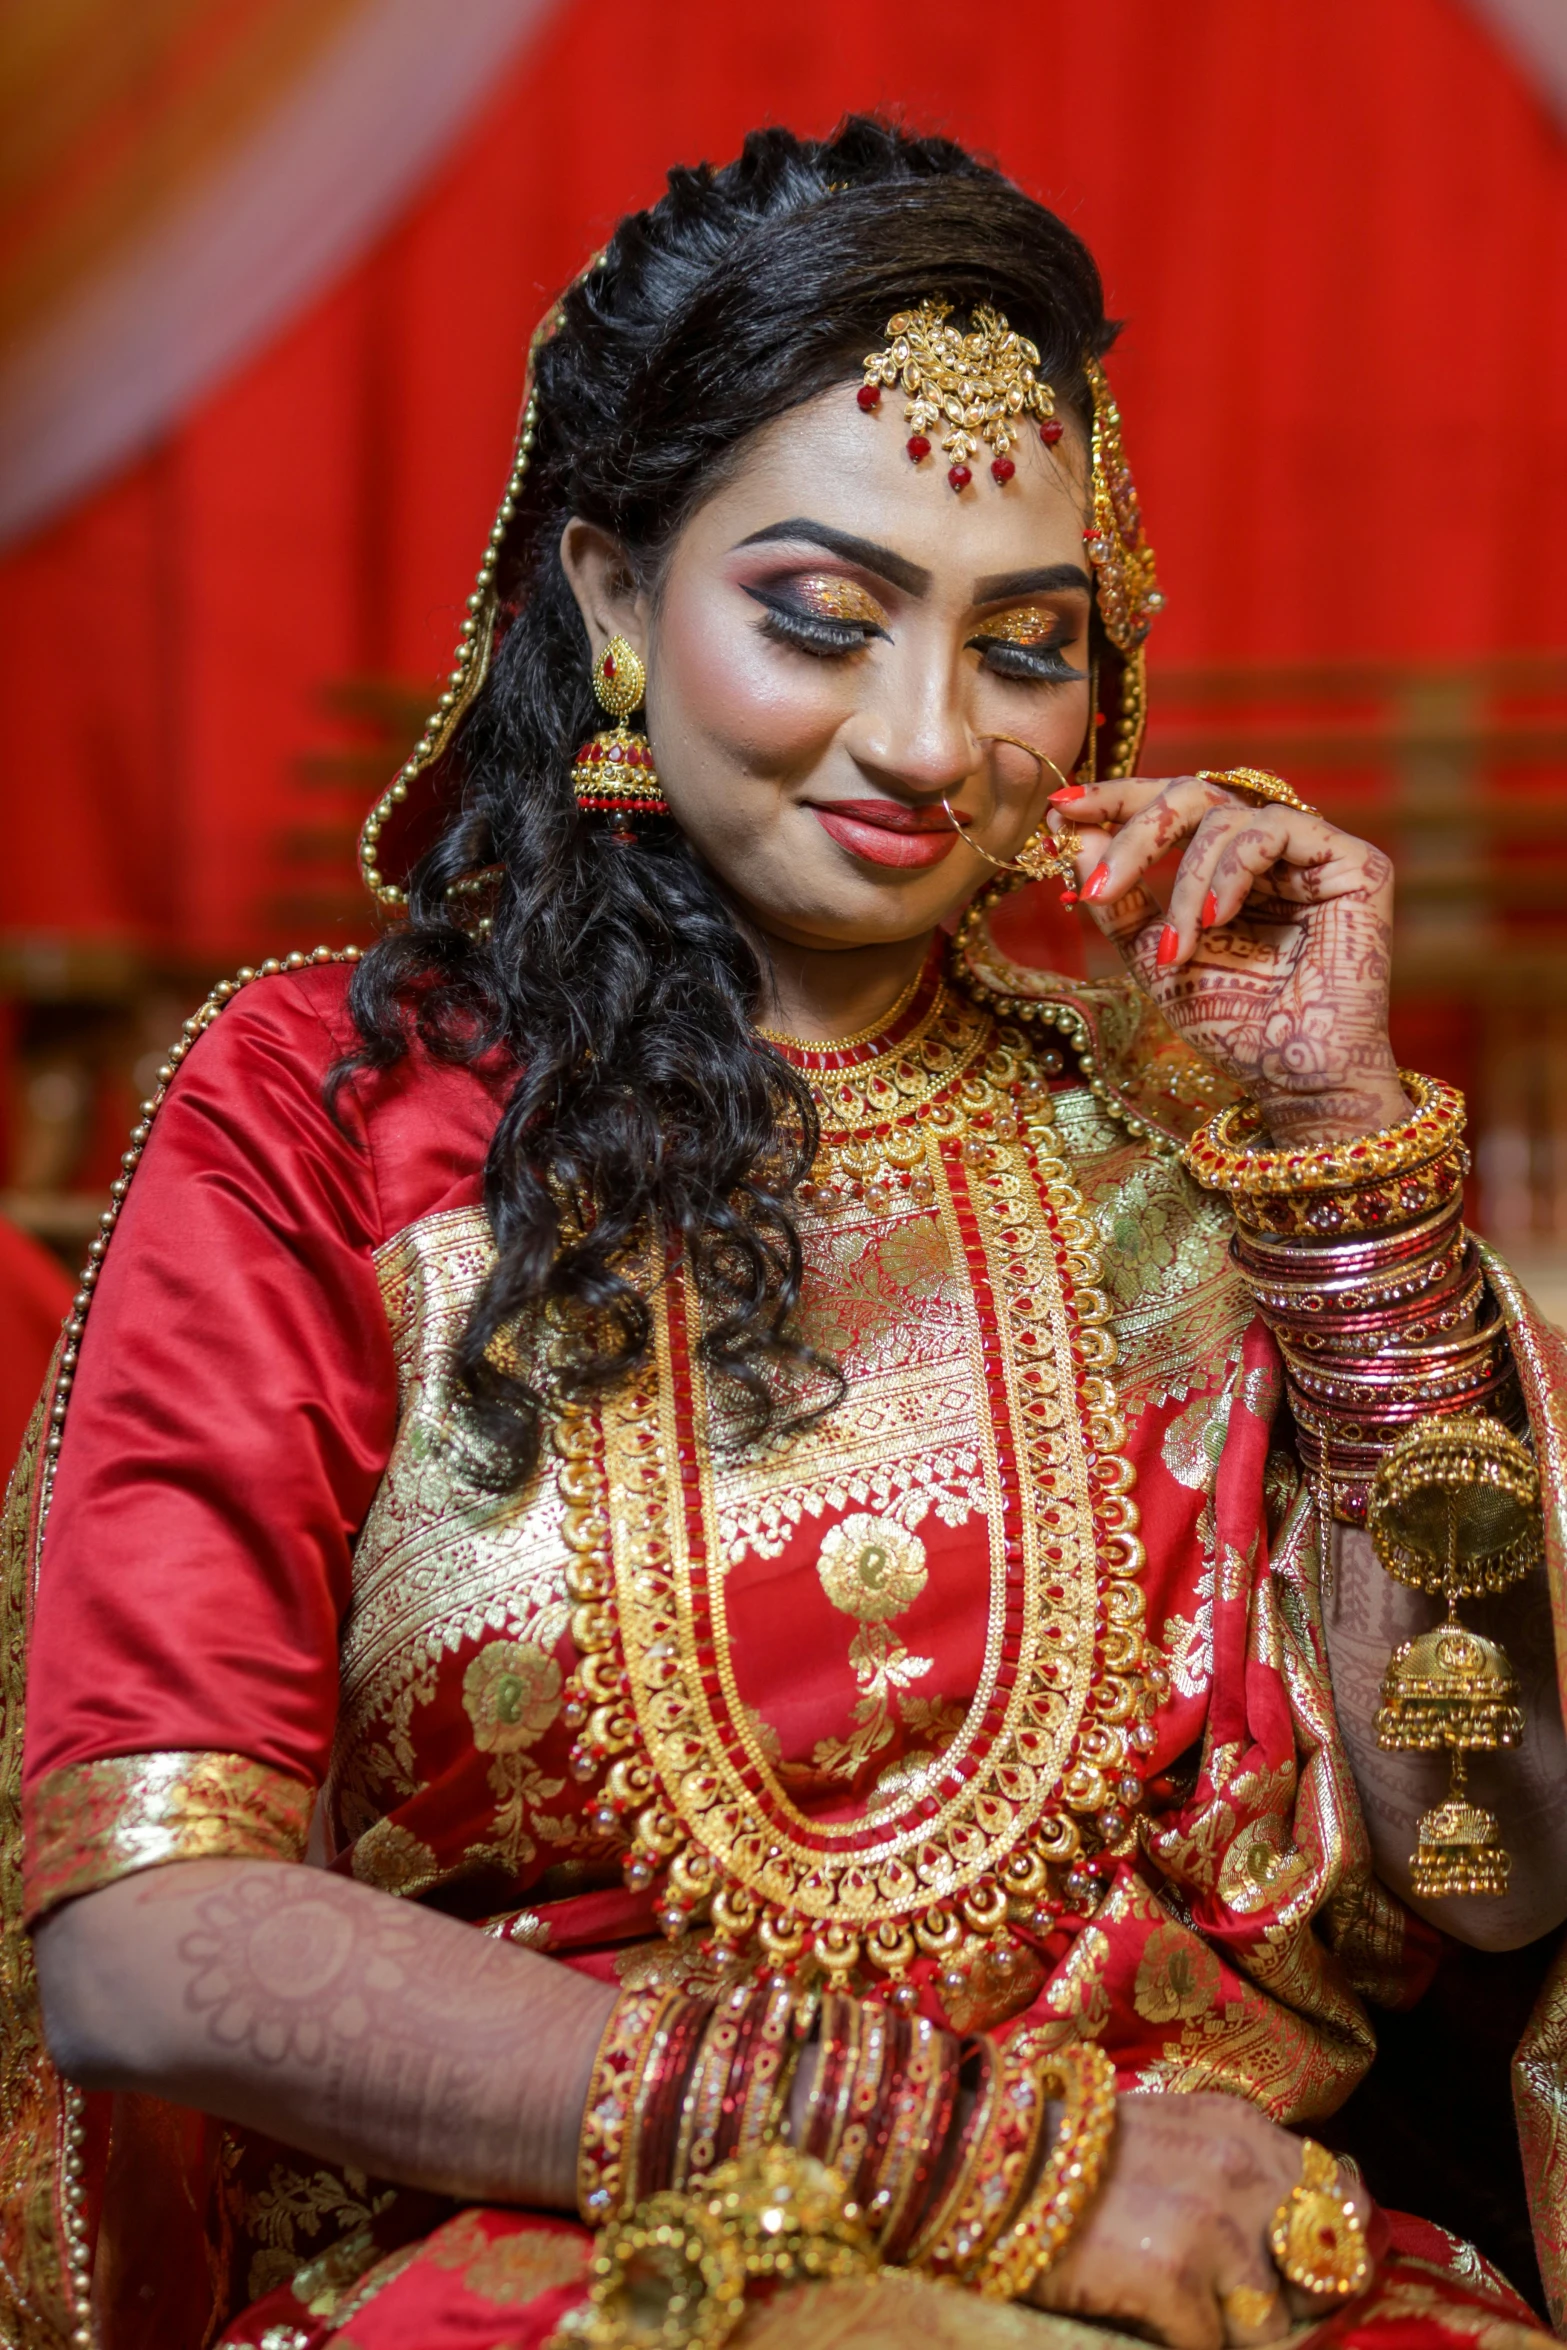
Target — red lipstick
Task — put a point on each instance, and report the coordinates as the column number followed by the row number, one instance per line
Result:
column 886, row 832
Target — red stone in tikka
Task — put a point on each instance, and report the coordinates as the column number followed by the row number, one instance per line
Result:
column 869, row 395
column 918, row 446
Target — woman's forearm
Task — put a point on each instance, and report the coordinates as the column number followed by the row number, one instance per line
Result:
column 1366, row 1616
column 340, row 2020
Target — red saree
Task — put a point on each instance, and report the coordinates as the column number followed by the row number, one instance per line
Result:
column 268, row 1589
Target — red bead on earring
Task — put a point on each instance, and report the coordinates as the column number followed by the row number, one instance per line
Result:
column 1002, row 468
column 1051, row 430
column 918, row 446
column 869, row 395
column 959, row 476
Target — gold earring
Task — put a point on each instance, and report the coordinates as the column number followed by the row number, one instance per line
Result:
column 614, row 774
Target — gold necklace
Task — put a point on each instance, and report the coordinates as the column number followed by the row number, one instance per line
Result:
column 1041, row 1776
column 816, row 1045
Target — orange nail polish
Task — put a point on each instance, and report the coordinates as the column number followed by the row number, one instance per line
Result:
column 1069, row 791
column 1094, row 886
column 1169, row 945
column 1210, row 911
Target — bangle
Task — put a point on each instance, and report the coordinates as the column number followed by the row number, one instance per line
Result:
column 924, row 2098
column 1223, row 1153
column 867, row 2095
column 838, row 2049
column 1084, row 2078
column 702, row 2112
column 763, row 2087
column 1360, row 1186
column 991, row 2179
column 633, row 2038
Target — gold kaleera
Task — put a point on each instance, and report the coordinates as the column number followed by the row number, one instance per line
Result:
column 1454, row 1510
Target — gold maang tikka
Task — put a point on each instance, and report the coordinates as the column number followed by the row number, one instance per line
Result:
column 972, row 388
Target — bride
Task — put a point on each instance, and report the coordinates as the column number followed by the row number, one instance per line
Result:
column 748, row 1477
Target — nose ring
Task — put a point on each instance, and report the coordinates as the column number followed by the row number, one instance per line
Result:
column 1035, row 863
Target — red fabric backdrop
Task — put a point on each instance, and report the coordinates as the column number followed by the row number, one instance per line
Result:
column 1339, row 234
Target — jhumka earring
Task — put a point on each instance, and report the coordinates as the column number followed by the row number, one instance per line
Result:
column 614, row 774
column 1455, row 1510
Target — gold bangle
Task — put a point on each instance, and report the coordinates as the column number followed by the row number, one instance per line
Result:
column 1084, row 2077
column 1223, row 1154
column 1316, row 2236
column 605, row 2144
column 994, row 2178
column 1260, row 786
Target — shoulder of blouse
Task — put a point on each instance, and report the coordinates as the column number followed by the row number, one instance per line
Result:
column 407, row 1141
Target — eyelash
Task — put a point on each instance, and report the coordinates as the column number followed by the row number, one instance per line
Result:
column 1028, row 664
column 807, row 632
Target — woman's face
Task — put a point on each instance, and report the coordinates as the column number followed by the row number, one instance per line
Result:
column 836, row 637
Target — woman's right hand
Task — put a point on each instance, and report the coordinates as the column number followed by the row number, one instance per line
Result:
column 1175, row 2243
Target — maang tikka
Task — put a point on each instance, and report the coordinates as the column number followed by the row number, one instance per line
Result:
column 614, row 774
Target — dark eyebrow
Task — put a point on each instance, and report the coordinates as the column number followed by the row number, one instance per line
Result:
column 1003, row 586
column 912, row 578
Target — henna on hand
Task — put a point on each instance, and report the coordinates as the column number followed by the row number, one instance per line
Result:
column 1274, row 958
column 339, row 2019
column 1180, row 2222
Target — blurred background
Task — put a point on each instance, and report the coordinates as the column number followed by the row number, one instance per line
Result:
column 268, row 269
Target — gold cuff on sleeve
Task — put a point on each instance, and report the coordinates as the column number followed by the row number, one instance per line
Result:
column 91, row 1822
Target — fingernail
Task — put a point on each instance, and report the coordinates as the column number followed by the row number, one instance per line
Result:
column 1097, row 882
column 1070, row 791
column 1210, row 911
column 1169, row 945
column 1069, row 897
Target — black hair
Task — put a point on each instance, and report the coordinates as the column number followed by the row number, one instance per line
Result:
column 647, row 1115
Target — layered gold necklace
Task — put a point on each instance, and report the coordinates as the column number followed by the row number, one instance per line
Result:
column 943, row 1111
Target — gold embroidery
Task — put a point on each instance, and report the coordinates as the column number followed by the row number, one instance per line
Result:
column 296, row 2203
column 1177, row 1976
column 1178, row 1307
column 871, row 1569
column 394, row 1860
column 509, row 2269
column 511, row 1694
column 92, row 1822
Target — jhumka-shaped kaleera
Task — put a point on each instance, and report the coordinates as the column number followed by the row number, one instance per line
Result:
column 1455, row 1510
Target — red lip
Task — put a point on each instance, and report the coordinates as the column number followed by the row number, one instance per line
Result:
column 886, row 832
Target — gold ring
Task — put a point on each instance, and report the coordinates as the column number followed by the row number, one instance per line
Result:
column 1316, row 2236
column 1248, row 2307
column 1261, row 788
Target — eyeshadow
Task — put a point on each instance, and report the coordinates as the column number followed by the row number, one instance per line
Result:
column 832, row 598
column 1029, row 627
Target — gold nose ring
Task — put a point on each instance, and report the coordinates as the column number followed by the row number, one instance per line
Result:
column 1001, row 866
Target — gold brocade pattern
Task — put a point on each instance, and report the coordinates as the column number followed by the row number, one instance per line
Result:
column 95, row 1821
column 1178, row 1307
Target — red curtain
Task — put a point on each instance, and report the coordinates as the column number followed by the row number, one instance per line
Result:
column 1338, row 235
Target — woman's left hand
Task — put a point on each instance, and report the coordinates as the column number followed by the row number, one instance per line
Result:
column 1273, row 959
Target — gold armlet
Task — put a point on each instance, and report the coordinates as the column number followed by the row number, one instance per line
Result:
column 1084, row 2079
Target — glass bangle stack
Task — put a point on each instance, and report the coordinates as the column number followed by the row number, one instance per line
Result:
column 1402, row 1386
column 967, row 2160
